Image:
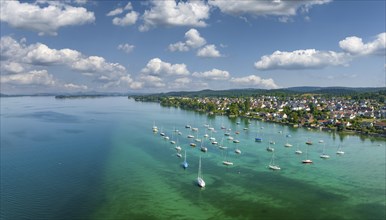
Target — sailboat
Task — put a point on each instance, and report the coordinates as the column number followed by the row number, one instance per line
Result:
column 221, row 146
column 178, row 147
column 238, row 151
column 298, row 151
column 200, row 180
column 309, row 142
column 162, row 133
column 269, row 148
column 203, row 149
column 227, row 162
column 324, row 155
column 339, row 151
column 272, row 164
column 172, row 141
column 185, row 164
column 306, row 161
column 197, row 139
column 155, row 128
column 257, row 138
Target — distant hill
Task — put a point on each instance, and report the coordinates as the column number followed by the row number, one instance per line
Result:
column 334, row 90
column 282, row 91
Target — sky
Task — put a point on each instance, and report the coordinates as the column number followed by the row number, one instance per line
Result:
column 88, row 46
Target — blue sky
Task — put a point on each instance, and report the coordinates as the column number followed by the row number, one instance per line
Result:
column 159, row 46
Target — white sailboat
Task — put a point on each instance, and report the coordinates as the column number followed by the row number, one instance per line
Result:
column 200, row 180
column 324, row 155
column 298, row 151
column 173, row 141
column 155, row 128
column 307, row 161
column 221, row 145
column 162, row 133
column 197, row 139
column 272, row 164
column 202, row 148
column 238, row 151
column 185, row 163
column 269, row 148
column 339, row 151
column 227, row 162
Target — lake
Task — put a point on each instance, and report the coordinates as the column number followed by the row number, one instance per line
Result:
column 98, row 158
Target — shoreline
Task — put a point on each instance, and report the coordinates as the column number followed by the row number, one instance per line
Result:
column 343, row 132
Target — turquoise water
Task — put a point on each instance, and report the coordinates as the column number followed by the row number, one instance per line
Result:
column 99, row 159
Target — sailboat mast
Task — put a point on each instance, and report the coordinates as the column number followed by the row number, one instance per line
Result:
column 199, row 168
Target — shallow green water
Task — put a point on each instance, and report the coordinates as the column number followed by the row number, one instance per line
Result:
column 99, row 159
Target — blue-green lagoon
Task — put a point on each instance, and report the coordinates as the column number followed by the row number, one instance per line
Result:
column 99, row 159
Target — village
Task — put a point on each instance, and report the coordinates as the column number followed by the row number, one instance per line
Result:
column 366, row 116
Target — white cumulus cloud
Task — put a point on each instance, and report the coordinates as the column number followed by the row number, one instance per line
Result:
column 115, row 12
column 179, row 46
column 214, row 74
column 209, row 51
column 193, row 40
column 72, row 86
column 44, row 20
column 96, row 64
column 152, row 81
column 172, row 13
column 21, row 64
column 254, row 80
column 129, row 19
column 12, row 67
column 355, row 46
column 43, row 55
column 301, row 59
column 158, row 67
column 127, row 48
column 266, row 7
column 34, row 77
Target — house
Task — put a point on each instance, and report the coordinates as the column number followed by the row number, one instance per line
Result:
column 380, row 125
column 366, row 124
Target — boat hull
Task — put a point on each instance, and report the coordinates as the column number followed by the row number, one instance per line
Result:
column 274, row 167
column 200, row 182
